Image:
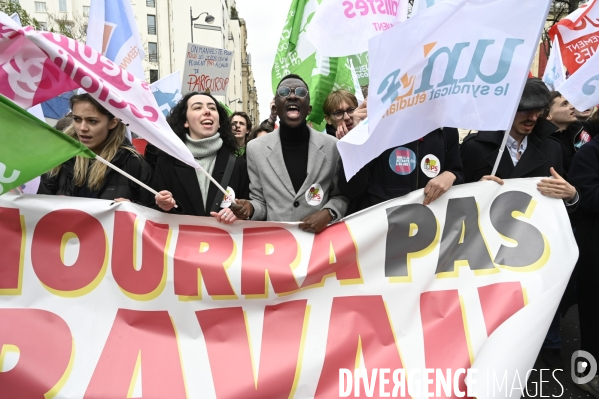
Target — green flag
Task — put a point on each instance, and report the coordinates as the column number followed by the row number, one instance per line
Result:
column 297, row 55
column 30, row 147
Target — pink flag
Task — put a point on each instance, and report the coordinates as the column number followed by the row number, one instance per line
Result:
column 36, row 66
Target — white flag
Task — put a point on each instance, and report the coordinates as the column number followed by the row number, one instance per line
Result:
column 167, row 92
column 554, row 75
column 112, row 31
column 581, row 88
column 343, row 27
column 36, row 66
column 462, row 63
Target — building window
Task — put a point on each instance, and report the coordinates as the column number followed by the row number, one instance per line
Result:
column 153, row 75
column 40, row 6
column 151, row 24
column 86, row 11
column 62, row 5
column 153, row 52
column 44, row 26
column 151, row 3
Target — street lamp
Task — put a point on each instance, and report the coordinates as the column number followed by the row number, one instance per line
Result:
column 238, row 101
column 209, row 20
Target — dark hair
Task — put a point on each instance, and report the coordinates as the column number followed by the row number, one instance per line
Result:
column 257, row 130
column 292, row 76
column 178, row 116
column 553, row 95
column 245, row 116
column 87, row 98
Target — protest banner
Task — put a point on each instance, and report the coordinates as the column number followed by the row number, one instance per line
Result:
column 554, row 75
column 206, row 69
column 578, row 35
column 295, row 54
column 112, row 31
column 167, row 92
column 36, row 66
column 111, row 300
column 341, row 28
column 464, row 66
column 581, row 88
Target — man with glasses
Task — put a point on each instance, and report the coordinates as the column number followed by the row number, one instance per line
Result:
column 530, row 150
column 339, row 108
column 292, row 170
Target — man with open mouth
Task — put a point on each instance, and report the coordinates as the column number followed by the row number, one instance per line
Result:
column 293, row 169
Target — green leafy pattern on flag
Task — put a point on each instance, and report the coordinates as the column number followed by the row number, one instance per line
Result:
column 30, row 147
column 297, row 55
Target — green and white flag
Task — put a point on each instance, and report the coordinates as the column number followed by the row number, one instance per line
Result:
column 30, row 147
column 297, row 55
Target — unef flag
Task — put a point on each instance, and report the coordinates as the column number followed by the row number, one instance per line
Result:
column 581, row 88
column 554, row 75
column 578, row 35
column 112, row 31
column 461, row 63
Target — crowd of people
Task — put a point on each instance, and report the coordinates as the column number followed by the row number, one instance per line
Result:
column 294, row 173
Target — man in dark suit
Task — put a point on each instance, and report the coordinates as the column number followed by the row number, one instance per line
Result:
column 530, row 152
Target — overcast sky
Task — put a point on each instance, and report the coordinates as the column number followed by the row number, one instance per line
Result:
column 264, row 20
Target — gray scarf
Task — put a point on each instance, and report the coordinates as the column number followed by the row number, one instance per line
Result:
column 204, row 151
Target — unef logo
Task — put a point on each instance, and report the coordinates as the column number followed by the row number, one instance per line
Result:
column 450, row 85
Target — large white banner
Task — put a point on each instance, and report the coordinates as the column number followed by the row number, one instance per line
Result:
column 111, row 300
column 206, row 69
column 343, row 27
column 581, row 88
column 461, row 63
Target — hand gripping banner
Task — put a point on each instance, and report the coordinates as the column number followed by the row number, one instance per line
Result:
column 111, row 300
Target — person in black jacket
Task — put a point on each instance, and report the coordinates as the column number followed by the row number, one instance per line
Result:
column 432, row 162
column 530, row 150
column 584, row 174
column 339, row 108
column 203, row 125
column 96, row 128
column 571, row 132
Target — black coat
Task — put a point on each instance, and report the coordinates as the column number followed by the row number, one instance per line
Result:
column 377, row 182
column 570, row 136
column 479, row 152
column 181, row 180
column 584, row 175
column 115, row 185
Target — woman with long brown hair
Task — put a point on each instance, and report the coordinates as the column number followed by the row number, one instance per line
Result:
column 100, row 131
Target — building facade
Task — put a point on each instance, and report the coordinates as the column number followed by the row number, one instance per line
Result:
column 166, row 27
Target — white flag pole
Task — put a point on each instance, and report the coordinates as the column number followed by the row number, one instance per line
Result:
column 515, row 108
column 150, row 189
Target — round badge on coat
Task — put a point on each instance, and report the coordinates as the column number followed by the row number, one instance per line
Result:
column 402, row 161
column 228, row 199
column 314, row 195
column 430, row 165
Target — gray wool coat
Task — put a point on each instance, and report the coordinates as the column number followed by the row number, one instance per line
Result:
column 271, row 191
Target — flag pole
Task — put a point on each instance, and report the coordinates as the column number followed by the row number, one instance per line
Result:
column 150, row 189
column 511, row 121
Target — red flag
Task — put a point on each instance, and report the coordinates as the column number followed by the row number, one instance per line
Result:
column 578, row 35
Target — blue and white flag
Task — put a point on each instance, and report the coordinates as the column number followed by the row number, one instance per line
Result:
column 554, row 75
column 112, row 30
column 167, row 92
column 581, row 88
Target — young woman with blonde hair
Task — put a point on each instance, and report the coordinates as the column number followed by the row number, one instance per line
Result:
column 100, row 131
